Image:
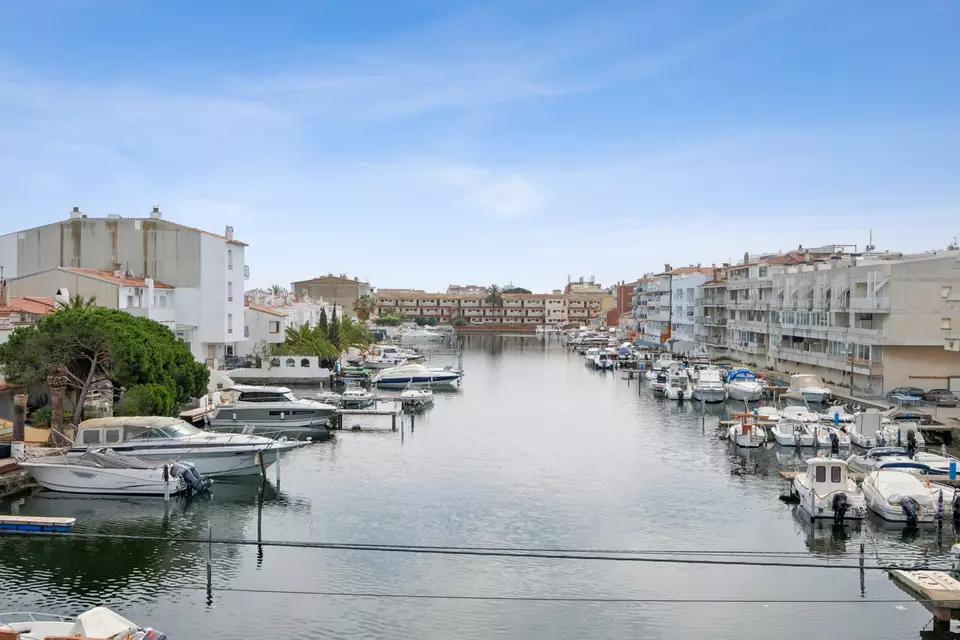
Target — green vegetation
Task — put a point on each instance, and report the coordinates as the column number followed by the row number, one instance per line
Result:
column 425, row 322
column 388, row 319
column 333, row 328
column 277, row 290
column 494, row 295
column 304, row 340
column 147, row 400
column 459, row 322
column 90, row 345
column 365, row 306
column 516, row 290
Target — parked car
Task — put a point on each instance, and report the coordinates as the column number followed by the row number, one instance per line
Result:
column 941, row 397
column 916, row 392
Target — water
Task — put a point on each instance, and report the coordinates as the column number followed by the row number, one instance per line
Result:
column 534, row 451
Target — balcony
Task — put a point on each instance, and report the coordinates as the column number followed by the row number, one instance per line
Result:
column 714, row 322
column 870, row 305
column 752, row 348
column 820, row 359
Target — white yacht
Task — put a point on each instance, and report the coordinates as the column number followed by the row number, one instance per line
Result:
column 98, row 622
column 678, row 384
column 826, row 491
column 417, row 375
column 880, row 457
column 161, row 439
column 747, row 433
column 790, row 432
column 743, row 385
column 416, row 398
column 420, row 335
column 794, row 405
column 107, row 472
column 899, row 497
column 660, row 365
column 811, row 387
column 836, row 415
column 271, row 411
column 708, row 386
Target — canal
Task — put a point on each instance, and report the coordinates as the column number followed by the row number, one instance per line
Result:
column 535, row 451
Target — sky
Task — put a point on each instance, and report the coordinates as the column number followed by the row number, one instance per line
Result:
column 419, row 143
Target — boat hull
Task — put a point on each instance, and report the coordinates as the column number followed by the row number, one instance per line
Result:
column 213, row 462
column 710, row 396
column 791, row 440
column 420, row 380
column 68, row 478
column 307, row 431
column 820, row 507
column 738, row 392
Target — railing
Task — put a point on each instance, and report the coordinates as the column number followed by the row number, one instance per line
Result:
column 869, row 304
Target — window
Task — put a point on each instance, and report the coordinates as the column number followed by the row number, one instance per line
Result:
column 305, row 363
column 763, row 272
column 835, row 475
column 246, row 331
column 821, row 473
column 112, row 436
column 163, row 302
column 229, row 323
column 229, row 258
column 274, row 326
column 274, row 362
column 129, row 302
column 946, row 324
column 91, row 436
column 229, row 292
column 290, row 362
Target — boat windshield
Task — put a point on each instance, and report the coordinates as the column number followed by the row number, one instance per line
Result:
column 289, row 396
column 793, row 401
column 175, row 430
column 806, row 380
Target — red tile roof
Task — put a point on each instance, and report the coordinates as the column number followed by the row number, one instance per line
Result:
column 31, row 304
column 265, row 309
column 103, row 274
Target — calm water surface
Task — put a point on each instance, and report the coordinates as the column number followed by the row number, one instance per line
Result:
column 535, row 450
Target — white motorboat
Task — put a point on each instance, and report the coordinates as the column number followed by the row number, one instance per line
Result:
column 748, row 433
column 867, row 429
column 417, row 375
column 743, row 385
column 270, row 411
column 373, row 361
column 708, row 386
column 938, row 463
column 161, row 439
column 836, row 415
column 420, row 335
column 397, row 353
column 826, row 491
column 354, row 396
column 878, row 457
column 602, row 360
column 106, row 472
column 660, row 365
column 811, row 387
column 98, row 622
column 678, row 384
column 899, row 497
column 768, row 416
column 794, row 405
column 590, row 354
column 790, row 432
column 416, row 398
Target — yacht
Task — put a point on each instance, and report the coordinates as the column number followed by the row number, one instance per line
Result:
column 899, row 497
column 272, row 411
column 811, row 387
column 708, row 386
column 743, row 385
column 162, row 439
column 880, row 457
column 420, row 335
column 660, row 365
column 826, row 491
column 416, row 375
column 794, row 405
column 836, row 415
column 678, row 384
column 790, row 432
column 98, row 622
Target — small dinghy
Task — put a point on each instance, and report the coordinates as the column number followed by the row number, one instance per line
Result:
column 99, row 622
column 747, row 433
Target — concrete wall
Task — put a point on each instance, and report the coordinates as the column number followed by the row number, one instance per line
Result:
column 8, row 255
column 927, row 367
column 47, row 283
column 287, row 369
column 335, row 291
column 258, row 325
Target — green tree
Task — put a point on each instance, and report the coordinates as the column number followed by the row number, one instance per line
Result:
column 78, row 302
column 277, row 290
column 459, row 322
column 147, row 400
column 516, row 290
column 304, row 340
column 322, row 323
column 353, row 333
column 365, row 306
column 333, row 328
column 495, row 296
column 93, row 345
column 420, row 321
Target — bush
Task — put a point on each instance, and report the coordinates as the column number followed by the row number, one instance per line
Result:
column 147, row 400
column 420, row 320
column 459, row 322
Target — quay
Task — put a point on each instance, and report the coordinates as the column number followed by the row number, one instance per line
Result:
column 938, row 591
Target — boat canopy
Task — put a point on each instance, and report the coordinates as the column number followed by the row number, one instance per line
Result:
column 740, row 374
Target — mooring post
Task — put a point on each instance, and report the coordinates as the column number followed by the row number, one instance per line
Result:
column 260, row 510
column 413, row 417
column 263, row 464
column 18, row 438
column 278, row 470
column 393, row 422
column 166, row 483
column 210, row 566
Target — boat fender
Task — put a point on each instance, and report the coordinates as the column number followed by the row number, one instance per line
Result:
column 839, row 506
column 909, row 508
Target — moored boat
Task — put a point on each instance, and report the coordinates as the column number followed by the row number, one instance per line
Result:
column 98, row 622
column 743, row 385
column 826, row 491
column 811, row 387
column 416, row 375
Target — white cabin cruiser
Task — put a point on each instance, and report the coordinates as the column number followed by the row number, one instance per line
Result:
column 743, row 385
column 98, row 622
column 879, row 457
column 899, row 497
column 417, row 375
column 660, row 365
column 421, row 335
column 811, row 387
column 747, row 433
column 416, row 398
column 794, row 405
column 836, row 415
column 161, row 439
column 826, row 491
column 354, row 396
column 708, row 386
column 602, row 360
column 790, row 432
column 271, row 411
column 678, row 384
column 106, row 472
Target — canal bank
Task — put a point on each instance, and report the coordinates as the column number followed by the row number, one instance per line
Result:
column 534, row 451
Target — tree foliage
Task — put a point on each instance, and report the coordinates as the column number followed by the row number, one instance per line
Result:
column 333, row 328
column 494, row 295
column 365, row 306
column 461, row 321
column 322, row 321
column 147, row 400
column 516, row 290
column 277, row 290
column 90, row 344
column 304, row 340
column 388, row 319
column 422, row 321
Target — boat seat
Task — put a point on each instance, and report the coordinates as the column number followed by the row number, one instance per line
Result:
column 9, row 634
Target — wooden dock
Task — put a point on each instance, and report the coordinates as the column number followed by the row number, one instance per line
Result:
column 337, row 421
column 936, row 590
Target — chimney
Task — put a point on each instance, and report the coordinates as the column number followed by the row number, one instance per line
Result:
column 746, row 257
column 155, row 214
column 75, row 214
column 62, row 296
column 356, row 278
column 228, row 234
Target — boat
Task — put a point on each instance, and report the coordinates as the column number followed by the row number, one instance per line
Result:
column 836, row 415
column 899, row 497
column 867, row 429
column 747, row 433
column 106, row 472
column 162, row 439
column 811, row 387
column 354, row 396
column 794, row 405
column 938, row 463
column 826, row 491
column 743, row 385
column 415, row 336
column 395, row 352
column 768, row 416
column 791, row 432
column 272, row 411
column 380, row 362
column 416, row 398
column 708, row 386
column 601, row 360
column 416, row 375
column 36, row 523
column 659, row 365
column 678, row 384
column 98, row 622
column 876, row 458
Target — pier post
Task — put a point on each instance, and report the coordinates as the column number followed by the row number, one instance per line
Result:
column 210, row 566
column 393, row 422
column 278, row 470
column 413, row 417
column 19, row 420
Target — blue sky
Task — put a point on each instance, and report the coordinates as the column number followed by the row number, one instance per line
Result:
column 424, row 142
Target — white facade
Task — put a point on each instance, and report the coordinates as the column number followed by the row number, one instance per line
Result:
column 670, row 300
column 269, row 319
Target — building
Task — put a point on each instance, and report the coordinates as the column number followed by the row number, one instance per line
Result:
column 21, row 312
column 267, row 317
column 622, row 304
column 517, row 308
column 711, row 314
column 466, row 289
column 339, row 290
column 671, row 301
column 207, row 270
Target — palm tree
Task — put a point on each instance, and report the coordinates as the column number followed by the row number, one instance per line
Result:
column 365, row 306
column 495, row 296
column 277, row 290
column 77, row 302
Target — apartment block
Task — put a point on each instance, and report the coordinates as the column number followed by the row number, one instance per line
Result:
column 517, row 308
column 206, row 270
column 671, row 299
column 340, row 290
column 267, row 317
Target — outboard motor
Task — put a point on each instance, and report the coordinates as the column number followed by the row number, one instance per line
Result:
column 190, row 475
column 839, row 506
column 911, row 443
column 956, row 506
column 909, row 508
column 834, row 444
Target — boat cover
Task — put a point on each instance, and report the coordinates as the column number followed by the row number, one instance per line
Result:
column 101, row 622
column 894, row 485
column 746, row 374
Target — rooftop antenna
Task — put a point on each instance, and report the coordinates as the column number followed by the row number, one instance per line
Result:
column 870, row 247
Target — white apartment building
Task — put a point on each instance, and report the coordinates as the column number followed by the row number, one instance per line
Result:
column 206, row 270
column 880, row 320
column 516, row 309
column 671, row 300
column 268, row 317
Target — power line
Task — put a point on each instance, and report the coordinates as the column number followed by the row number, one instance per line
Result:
column 505, row 552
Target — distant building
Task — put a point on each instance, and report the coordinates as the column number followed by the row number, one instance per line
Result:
column 671, row 302
column 466, row 289
column 339, row 290
column 267, row 317
column 554, row 308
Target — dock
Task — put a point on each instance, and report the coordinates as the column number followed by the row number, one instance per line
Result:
column 394, row 412
column 935, row 590
column 36, row 523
